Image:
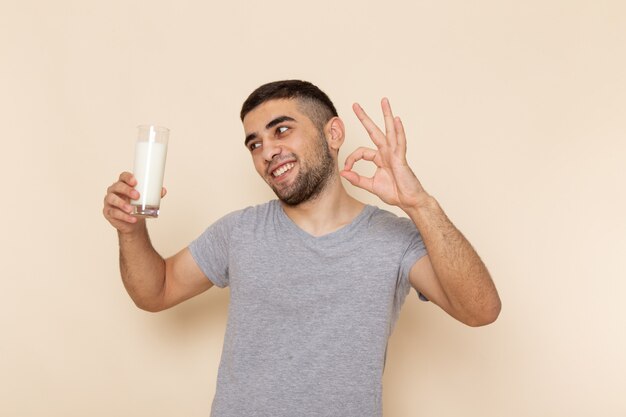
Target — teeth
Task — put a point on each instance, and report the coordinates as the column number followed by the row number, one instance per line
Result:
column 283, row 169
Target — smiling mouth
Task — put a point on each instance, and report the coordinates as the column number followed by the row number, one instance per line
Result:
column 282, row 169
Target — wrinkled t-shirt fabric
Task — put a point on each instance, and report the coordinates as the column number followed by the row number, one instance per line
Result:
column 309, row 317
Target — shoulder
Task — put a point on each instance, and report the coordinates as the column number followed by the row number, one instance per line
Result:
column 391, row 229
column 236, row 223
column 249, row 213
column 248, row 218
column 381, row 219
column 255, row 214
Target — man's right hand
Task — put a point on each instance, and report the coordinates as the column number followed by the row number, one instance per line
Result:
column 152, row 282
column 117, row 208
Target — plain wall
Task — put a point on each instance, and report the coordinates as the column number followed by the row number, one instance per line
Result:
column 515, row 113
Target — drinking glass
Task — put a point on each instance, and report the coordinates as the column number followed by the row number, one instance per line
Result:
column 150, row 153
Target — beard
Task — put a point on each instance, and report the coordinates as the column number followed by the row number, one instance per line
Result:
column 311, row 180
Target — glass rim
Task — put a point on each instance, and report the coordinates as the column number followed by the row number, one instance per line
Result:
column 155, row 127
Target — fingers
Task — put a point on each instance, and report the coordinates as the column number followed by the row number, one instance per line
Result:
column 390, row 137
column 366, row 154
column 114, row 201
column 377, row 136
column 355, row 179
column 128, row 178
column 389, row 122
column 358, row 180
column 117, row 205
column 400, row 135
column 115, row 215
column 118, row 208
column 123, row 189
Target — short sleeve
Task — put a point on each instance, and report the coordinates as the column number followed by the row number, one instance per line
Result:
column 211, row 249
column 415, row 250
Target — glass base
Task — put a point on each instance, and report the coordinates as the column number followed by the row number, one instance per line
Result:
column 146, row 211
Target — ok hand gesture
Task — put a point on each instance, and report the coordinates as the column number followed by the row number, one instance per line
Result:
column 393, row 182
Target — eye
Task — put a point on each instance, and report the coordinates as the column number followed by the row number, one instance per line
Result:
column 282, row 129
column 254, row 145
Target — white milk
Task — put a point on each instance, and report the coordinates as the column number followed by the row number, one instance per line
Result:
column 149, row 170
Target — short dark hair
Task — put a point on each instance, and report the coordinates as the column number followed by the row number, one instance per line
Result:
column 314, row 102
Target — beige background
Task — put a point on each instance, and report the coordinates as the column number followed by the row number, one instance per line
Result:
column 515, row 114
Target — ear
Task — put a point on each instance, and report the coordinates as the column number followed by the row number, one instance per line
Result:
column 335, row 133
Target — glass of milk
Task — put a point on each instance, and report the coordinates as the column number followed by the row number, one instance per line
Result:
column 150, row 152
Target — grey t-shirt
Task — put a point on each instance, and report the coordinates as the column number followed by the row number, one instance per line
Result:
column 309, row 317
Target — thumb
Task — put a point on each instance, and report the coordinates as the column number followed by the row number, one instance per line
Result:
column 352, row 177
column 358, row 181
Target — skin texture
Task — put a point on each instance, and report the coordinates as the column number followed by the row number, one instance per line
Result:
column 152, row 282
column 279, row 133
column 313, row 173
column 452, row 275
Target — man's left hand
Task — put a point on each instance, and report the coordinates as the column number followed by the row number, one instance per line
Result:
column 393, row 182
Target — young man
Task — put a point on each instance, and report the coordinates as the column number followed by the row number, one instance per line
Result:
column 317, row 278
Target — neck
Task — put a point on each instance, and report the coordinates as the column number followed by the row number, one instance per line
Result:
column 330, row 210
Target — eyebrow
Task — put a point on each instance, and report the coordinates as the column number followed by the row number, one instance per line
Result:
column 271, row 124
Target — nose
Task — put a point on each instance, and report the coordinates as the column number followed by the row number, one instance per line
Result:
column 270, row 150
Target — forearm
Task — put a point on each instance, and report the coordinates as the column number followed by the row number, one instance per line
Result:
column 142, row 269
column 460, row 271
